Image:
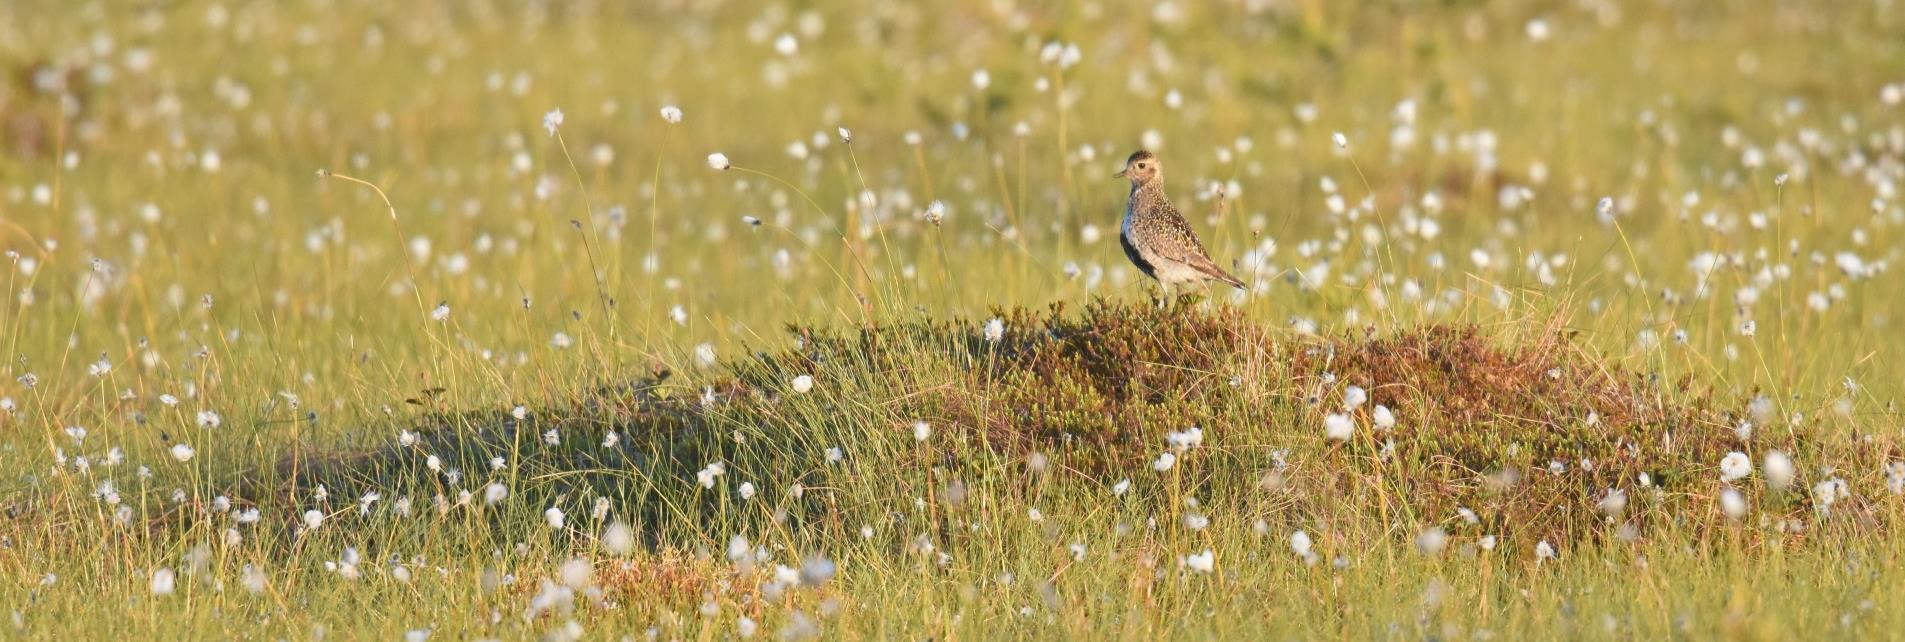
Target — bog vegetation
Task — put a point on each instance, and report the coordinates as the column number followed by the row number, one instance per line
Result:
column 751, row 319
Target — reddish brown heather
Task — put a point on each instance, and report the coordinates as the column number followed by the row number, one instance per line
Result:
column 1529, row 432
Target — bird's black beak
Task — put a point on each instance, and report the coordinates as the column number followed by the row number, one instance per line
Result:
column 1120, row 174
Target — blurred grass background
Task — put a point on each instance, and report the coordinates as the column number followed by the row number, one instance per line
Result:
column 169, row 233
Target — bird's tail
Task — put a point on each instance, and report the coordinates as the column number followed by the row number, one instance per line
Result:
column 1217, row 272
column 1229, row 278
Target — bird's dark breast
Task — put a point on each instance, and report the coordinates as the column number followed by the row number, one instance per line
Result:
column 1137, row 259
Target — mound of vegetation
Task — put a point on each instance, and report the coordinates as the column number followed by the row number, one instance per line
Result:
column 1440, row 429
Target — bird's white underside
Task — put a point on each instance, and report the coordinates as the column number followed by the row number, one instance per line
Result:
column 1173, row 274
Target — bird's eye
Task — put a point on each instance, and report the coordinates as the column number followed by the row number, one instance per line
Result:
column 1140, row 165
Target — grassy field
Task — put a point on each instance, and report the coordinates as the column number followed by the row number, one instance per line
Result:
column 443, row 320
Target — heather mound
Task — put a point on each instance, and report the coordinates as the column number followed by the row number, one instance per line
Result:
column 1438, row 428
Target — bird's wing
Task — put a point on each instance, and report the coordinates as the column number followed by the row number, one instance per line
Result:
column 1189, row 250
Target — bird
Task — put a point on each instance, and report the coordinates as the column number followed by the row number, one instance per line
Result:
column 1156, row 238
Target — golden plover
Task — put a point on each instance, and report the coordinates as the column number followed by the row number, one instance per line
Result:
column 1156, row 238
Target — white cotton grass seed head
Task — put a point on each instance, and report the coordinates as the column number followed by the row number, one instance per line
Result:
column 1204, row 562
column 719, row 161
column 1734, row 466
column 618, row 538
column 803, row 384
column 183, row 452
column 1186, row 439
column 1385, row 418
column 1778, row 469
column 1164, row 462
column 936, row 212
column 1538, row 29
column 1354, row 397
column 576, row 573
column 1733, row 504
column 816, row 571
column 1827, row 492
column 1431, row 541
column 164, row 581
column 922, row 431
column 706, row 476
column 552, row 121
column 1613, row 503
column 671, row 114
column 254, row 580
column 994, row 330
column 1338, row 427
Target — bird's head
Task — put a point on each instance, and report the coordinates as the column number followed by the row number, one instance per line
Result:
column 1142, row 167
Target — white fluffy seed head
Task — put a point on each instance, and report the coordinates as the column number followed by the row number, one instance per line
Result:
column 577, row 573
column 1338, row 427
column 1779, row 470
column 1732, row 503
column 1735, row 466
column 1431, row 541
column 163, row 582
column 619, row 538
column 1203, row 562
column 994, row 330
